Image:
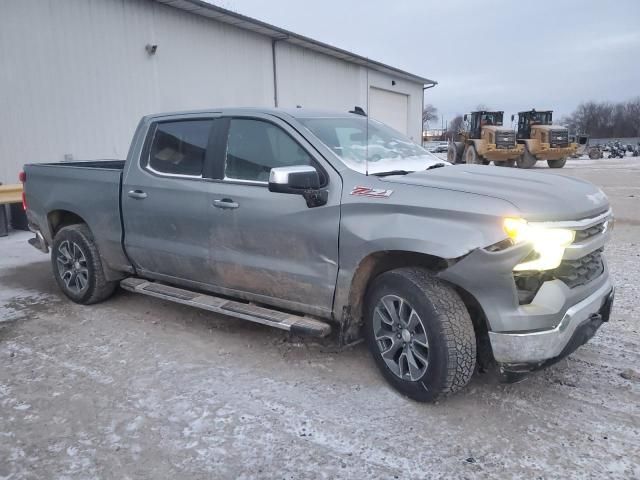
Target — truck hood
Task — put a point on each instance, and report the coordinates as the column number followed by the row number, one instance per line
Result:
column 497, row 128
column 538, row 196
column 549, row 127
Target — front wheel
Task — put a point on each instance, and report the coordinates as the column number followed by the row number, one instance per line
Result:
column 557, row 163
column 419, row 333
column 77, row 267
column 471, row 157
column 527, row 159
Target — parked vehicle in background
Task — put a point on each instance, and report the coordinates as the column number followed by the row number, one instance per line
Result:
column 542, row 140
column 596, row 152
column 281, row 218
column 582, row 144
column 483, row 140
column 436, row 146
column 617, row 150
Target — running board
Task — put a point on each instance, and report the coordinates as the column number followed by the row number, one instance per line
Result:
column 245, row 311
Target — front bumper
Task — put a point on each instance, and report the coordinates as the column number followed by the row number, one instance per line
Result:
column 555, row 153
column 534, row 332
column 525, row 350
column 502, row 154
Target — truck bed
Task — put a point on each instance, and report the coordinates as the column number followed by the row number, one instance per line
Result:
column 90, row 190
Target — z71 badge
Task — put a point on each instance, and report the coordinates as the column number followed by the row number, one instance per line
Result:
column 371, row 192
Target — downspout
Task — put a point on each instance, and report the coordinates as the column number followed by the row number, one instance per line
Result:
column 275, row 68
column 425, row 87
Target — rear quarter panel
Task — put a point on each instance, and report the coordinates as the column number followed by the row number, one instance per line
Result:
column 91, row 193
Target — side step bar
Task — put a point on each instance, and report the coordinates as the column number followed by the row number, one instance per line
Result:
column 245, row 311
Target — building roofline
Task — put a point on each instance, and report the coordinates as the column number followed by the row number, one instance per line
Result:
column 215, row 12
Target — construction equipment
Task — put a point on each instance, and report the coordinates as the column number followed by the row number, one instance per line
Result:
column 582, row 142
column 484, row 140
column 542, row 140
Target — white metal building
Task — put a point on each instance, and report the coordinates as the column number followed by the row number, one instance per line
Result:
column 76, row 75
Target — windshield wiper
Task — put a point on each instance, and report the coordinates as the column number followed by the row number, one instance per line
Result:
column 435, row 165
column 393, row 172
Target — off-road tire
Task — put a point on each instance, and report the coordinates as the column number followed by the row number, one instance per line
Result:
column 527, row 159
column 506, row 163
column 557, row 163
column 97, row 288
column 452, row 154
column 447, row 324
column 471, row 157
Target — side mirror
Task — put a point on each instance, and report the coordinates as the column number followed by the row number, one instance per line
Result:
column 465, row 117
column 298, row 180
column 513, row 117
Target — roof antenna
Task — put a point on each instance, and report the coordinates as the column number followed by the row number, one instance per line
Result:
column 366, row 158
column 358, row 111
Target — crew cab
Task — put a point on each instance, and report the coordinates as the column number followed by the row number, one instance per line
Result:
column 328, row 223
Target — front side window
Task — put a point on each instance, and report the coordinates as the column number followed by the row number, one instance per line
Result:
column 178, row 148
column 254, row 147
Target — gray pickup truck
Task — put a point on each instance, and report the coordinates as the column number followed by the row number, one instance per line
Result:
column 332, row 223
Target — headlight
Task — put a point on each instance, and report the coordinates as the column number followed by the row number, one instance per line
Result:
column 548, row 243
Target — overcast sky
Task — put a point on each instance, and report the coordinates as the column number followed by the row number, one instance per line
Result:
column 508, row 55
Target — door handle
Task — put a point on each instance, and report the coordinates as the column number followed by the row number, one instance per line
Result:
column 225, row 203
column 137, row 194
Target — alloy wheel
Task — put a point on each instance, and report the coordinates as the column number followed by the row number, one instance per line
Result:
column 401, row 337
column 72, row 266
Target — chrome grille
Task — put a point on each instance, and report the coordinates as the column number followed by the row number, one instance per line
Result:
column 559, row 138
column 581, row 271
column 582, row 235
column 573, row 273
column 505, row 139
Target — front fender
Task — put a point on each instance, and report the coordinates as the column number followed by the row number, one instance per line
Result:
column 480, row 145
column 439, row 223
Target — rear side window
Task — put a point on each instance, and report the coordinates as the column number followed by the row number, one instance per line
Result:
column 255, row 147
column 178, row 148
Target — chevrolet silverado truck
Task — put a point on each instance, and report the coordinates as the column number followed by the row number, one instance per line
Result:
column 332, row 223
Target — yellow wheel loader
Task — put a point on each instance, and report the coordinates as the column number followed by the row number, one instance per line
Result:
column 484, row 140
column 542, row 140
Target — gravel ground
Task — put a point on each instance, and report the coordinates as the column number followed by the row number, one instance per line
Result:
column 137, row 388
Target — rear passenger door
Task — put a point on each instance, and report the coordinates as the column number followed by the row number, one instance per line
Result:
column 165, row 200
column 270, row 246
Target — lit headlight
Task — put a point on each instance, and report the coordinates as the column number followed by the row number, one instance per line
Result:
column 548, row 243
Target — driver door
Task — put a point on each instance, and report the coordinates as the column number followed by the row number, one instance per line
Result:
column 266, row 246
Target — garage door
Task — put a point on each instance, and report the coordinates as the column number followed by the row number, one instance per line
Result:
column 390, row 108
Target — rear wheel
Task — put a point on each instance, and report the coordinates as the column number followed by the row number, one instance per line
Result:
column 77, row 267
column 527, row 159
column 419, row 333
column 452, row 154
column 557, row 163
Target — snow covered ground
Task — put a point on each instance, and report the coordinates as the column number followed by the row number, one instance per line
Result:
column 136, row 388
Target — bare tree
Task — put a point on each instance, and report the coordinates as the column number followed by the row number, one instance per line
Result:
column 606, row 120
column 429, row 114
column 633, row 115
column 455, row 126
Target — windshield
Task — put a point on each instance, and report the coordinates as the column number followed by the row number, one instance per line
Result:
column 387, row 149
column 541, row 118
column 491, row 118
